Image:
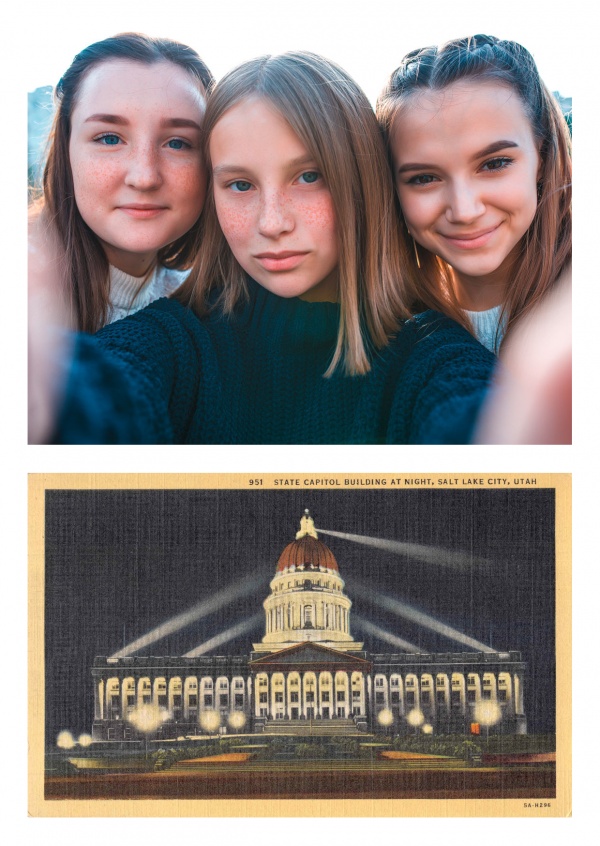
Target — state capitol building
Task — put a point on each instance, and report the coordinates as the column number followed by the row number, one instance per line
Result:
column 309, row 671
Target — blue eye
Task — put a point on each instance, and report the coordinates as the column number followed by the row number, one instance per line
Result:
column 241, row 186
column 109, row 139
column 309, row 177
column 178, row 144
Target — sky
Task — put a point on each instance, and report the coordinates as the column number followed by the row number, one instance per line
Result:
column 367, row 38
column 120, row 563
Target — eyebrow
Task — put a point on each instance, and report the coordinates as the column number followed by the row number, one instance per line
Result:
column 495, row 147
column 291, row 165
column 119, row 120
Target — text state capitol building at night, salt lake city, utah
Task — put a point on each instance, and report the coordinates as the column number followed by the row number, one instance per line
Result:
column 309, row 671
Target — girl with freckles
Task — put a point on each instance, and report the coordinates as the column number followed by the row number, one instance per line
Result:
column 293, row 325
column 124, row 181
column 480, row 153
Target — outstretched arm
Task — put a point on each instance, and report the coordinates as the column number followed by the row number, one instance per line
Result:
column 531, row 399
column 136, row 381
column 49, row 343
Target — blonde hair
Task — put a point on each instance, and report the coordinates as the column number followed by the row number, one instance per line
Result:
column 334, row 120
column 546, row 247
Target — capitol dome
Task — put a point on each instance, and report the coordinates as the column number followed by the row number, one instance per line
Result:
column 307, row 553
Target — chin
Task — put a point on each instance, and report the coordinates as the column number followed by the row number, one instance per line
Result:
column 477, row 268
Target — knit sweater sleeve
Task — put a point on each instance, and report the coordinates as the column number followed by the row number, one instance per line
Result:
column 136, row 381
column 442, row 384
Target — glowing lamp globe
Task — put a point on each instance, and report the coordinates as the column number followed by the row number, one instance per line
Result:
column 385, row 717
column 415, row 718
column 65, row 740
column 237, row 720
column 146, row 718
column 210, row 720
column 487, row 713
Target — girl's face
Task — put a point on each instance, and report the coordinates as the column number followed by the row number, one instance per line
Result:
column 135, row 154
column 273, row 205
column 466, row 168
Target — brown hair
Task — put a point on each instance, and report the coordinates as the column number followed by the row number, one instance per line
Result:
column 546, row 246
column 88, row 278
column 334, row 120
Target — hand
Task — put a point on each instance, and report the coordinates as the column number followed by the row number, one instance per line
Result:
column 531, row 402
column 48, row 318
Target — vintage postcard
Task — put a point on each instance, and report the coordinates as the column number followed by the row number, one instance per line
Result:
column 302, row 645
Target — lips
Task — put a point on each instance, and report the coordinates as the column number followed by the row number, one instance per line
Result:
column 471, row 240
column 284, row 260
column 142, row 211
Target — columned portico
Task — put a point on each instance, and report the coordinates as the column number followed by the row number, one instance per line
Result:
column 308, row 669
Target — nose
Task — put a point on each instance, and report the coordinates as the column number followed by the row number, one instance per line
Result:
column 464, row 203
column 144, row 172
column 275, row 214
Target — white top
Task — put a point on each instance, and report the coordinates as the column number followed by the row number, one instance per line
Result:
column 127, row 297
column 485, row 327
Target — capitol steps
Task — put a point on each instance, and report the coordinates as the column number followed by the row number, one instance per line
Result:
column 323, row 728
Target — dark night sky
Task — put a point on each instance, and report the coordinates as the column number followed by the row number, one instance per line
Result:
column 120, row 562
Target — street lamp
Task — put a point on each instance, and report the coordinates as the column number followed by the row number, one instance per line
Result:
column 488, row 713
column 415, row 718
column 210, row 721
column 237, row 720
column 385, row 718
column 65, row 740
column 146, row 719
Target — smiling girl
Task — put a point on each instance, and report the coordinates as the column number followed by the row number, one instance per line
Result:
column 481, row 160
column 291, row 327
column 125, row 180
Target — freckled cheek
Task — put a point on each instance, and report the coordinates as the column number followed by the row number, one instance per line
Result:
column 94, row 182
column 236, row 223
column 188, row 185
column 319, row 217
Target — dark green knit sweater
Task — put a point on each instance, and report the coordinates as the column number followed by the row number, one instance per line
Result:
column 256, row 377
